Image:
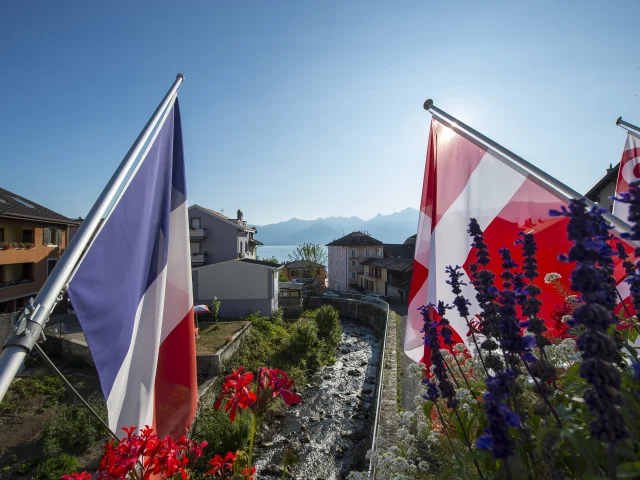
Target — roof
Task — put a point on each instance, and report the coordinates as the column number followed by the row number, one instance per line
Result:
column 290, row 285
column 610, row 177
column 411, row 240
column 400, row 265
column 393, row 264
column 356, row 239
column 302, row 264
column 261, row 262
column 218, row 215
column 14, row 205
column 399, row 250
column 255, row 242
column 375, row 262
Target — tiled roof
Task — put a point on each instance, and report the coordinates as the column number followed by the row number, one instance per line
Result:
column 302, row 264
column 356, row 239
column 13, row 205
column 610, row 177
column 399, row 250
column 261, row 262
column 395, row 265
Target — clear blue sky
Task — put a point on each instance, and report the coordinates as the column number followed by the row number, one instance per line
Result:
column 308, row 109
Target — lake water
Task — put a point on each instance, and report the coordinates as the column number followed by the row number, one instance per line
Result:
column 281, row 252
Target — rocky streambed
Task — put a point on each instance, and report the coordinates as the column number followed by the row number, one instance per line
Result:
column 331, row 430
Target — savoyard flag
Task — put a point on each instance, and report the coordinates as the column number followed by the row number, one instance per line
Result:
column 133, row 296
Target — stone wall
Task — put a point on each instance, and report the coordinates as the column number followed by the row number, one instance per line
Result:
column 5, row 327
column 74, row 348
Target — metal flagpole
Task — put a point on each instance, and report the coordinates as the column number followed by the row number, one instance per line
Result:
column 628, row 126
column 521, row 163
column 29, row 327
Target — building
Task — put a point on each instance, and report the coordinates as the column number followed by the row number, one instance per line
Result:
column 216, row 238
column 346, row 255
column 390, row 277
column 308, row 273
column 290, row 298
column 605, row 188
column 373, row 279
column 32, row 239
column 243, row 286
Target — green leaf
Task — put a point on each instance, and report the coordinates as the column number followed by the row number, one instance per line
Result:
column 628, row 470
column 633, row 334
column 427, row 407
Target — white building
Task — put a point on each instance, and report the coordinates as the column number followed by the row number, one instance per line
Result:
column 346, row 255
column 243, row 286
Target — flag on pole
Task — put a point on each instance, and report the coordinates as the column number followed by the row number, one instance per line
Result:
column 463, row 179
column 629, row 172
column 133, row 296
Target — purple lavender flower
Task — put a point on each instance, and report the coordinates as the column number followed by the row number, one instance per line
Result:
column 600, row 351
column 432, row 390
column 500, row 417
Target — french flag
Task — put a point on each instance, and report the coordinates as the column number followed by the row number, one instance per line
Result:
column 132, row 294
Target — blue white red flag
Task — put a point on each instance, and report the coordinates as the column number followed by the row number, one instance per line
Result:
column 133, row 296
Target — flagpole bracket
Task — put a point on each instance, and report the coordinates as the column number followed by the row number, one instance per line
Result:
column 181, row 76
column 428, row 104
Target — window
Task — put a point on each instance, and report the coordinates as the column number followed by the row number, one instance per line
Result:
column 27, row 236
column 1, row 237
column 195, row 248
column 353, row 253
column 23, row 202
column 366, row 252
column 341, row 263
column 195, row 223
column 52, row 236
column 353, row 275
column 27, row 271
column 51, row 263
column 379, row 252
column 353, row 263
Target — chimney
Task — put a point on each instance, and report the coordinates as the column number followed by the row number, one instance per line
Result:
column 239, row 216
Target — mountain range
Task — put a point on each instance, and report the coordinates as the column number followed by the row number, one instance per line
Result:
column 393, row 228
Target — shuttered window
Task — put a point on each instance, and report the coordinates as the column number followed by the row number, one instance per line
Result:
column 52, row 236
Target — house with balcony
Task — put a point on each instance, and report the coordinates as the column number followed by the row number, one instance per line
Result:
column 346, row 255
column 373, row 279
column 32, row 239
column 216, row 238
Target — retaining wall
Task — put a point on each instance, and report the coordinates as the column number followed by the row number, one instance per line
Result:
column 211, row 363
column 367, row 312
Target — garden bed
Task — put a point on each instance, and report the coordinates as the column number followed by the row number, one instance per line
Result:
column 214, row 336
column 40, row 419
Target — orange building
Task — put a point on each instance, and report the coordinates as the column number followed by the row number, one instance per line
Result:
column 300, row 271
column 32, row 239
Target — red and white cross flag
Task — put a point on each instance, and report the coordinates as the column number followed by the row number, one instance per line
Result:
column 464, row 179
column 629, row 172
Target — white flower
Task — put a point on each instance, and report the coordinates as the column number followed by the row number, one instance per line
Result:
column 551, row 277
column 459, row 347
column 566, row 318
column 572, row 298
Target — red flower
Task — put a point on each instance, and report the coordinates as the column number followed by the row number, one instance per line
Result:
column 236, row 388
column 475, row 326
column 281, row 385
column 222, row 466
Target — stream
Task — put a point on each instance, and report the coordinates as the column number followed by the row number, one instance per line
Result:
column 330, row 429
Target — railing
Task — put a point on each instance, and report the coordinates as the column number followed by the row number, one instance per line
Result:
column 198, row 259
column 17, row 283
column 198, row 233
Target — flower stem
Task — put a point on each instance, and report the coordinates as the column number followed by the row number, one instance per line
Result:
column 254, row 420
column 451, row 372
column 543, row 394
column 464, row 377
column 466, row 438
column 446, row 434
column 475, row 342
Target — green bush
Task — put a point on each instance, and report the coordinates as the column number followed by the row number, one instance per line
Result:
column 49, row 386
column 223, row 435
column 54, row 468
column 74, row 427
column 329, row 327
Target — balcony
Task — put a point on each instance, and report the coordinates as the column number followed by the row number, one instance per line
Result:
column 198, row 234
column 15, row 275
column 198, row 259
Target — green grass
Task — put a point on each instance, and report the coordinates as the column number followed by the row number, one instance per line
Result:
column 213, row 337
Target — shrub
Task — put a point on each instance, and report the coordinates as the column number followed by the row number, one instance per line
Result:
column 215, row 309
column 329, row 327
column 48, row 386
column 54, row 468
column 223, row 435
column 304, row 338
column 75, row 427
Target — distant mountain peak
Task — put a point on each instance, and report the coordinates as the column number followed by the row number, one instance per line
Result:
column 389, row 228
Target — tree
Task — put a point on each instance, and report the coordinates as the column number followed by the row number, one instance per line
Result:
column 283, row 277
column 313, row 259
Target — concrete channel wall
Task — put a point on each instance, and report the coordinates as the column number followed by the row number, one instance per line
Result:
column 378, row 315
